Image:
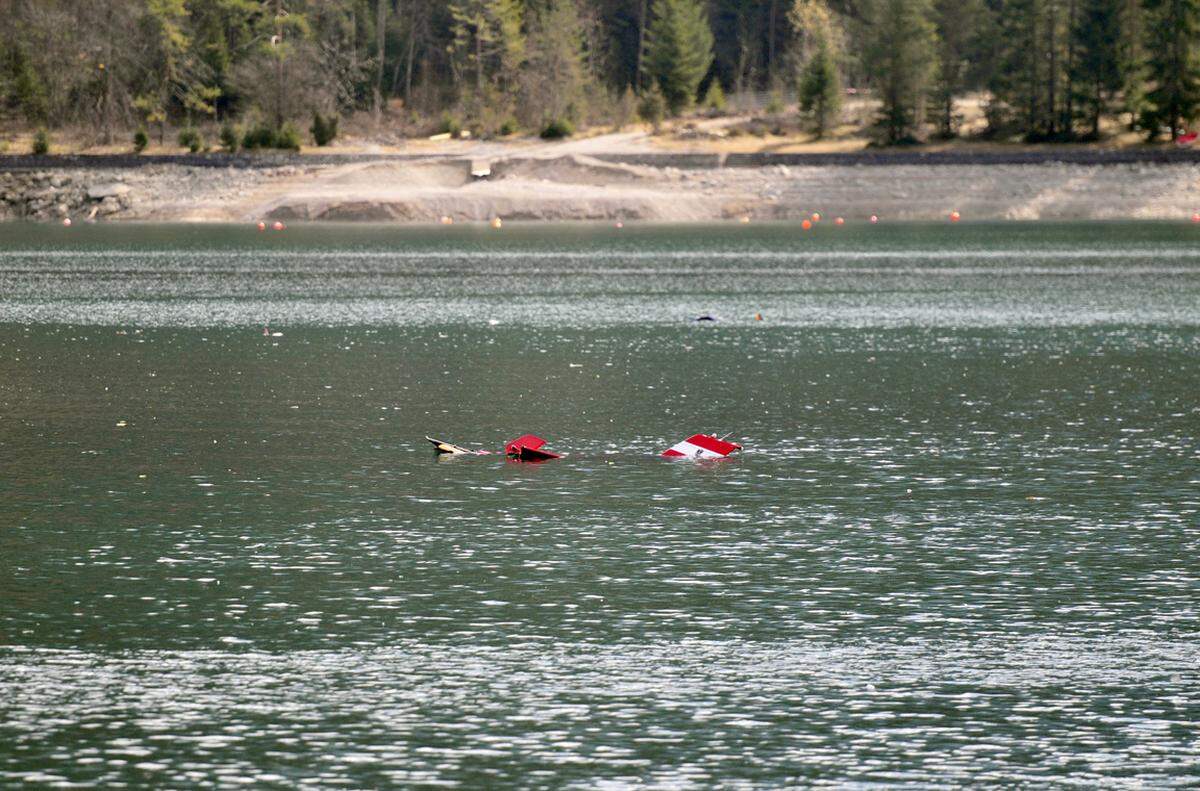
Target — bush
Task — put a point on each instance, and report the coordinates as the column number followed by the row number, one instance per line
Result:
column 140, row 140
column 288, row 137
column 653, row 106
column 509, row 126
column 449, row 125
column 324, row 129
column 260, row 136
column 714, row 97
column 191, row 139
column 775, row 104
column 41, row 142
column 625, row 109
column 263, row 136
column 557, row 129
column 229, row 138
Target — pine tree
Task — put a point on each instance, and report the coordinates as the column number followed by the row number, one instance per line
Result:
column 957, row 24
column 1016, row 82
column 901, row 56
column 679, row 50
column 556, row 63
column 821, row 87
column 1173, row 68
column 1132, row 45
column 488, row 41
column 1098, row 64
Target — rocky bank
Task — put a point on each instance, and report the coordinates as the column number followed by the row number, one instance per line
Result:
column 580, row 187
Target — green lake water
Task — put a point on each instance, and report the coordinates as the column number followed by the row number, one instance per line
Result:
column 962, row 545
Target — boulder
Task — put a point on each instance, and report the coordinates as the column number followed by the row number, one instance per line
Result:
column 108, row 190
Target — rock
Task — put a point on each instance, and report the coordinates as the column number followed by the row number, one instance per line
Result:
column 109, row 190
column 110, row 205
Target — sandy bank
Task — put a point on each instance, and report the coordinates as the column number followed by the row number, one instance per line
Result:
column 580, row 187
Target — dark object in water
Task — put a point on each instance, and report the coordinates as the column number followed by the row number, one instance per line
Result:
column 529, row 448
column 705, row 317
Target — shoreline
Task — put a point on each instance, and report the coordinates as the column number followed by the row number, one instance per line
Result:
column 688, row 160
column 552, row 184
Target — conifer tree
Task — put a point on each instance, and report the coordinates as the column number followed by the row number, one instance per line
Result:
column 1132, row 45
column 1098, row 65
column 488, row 41
column 679, row 50
column 1016, row 82
column 957, row 22
column 556, row 63
column 1173, row 68
column 901, row 56
column 820, row 85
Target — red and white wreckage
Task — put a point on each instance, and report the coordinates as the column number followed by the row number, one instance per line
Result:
column 530, row 447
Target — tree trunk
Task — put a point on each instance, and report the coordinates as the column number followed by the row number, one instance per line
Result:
column 1052, row 82
column 478, row 63
column 278, row 64
column 771, row 44
column 408, row 70
column 637, row 74
column 107, row 66
column 1069, row 114
column 380, row 44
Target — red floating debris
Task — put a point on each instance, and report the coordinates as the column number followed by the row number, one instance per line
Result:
column 528, row 447
column 702, row 446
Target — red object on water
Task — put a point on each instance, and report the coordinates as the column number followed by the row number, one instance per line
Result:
column 528, row 447
column 702, row 446
column 1187, row 139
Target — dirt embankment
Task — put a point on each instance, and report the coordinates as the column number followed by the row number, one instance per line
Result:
column 575, row 186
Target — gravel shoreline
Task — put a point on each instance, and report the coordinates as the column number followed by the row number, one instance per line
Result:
column 603, row 188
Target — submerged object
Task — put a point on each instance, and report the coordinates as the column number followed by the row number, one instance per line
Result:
column 441, row 446
column 702, row 446
column 528, row 447
column 705, row 317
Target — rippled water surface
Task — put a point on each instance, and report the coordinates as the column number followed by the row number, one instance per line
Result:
column 961, row 546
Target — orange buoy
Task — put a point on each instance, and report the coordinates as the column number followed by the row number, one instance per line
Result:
column 447, row 220
column 874, row 218
column 262, row 226
column 279, row 226
column 816, row 216
column 66, row 222
column 620, row 224
column 806, row 224
column 955, row 216
column 745, row 219
column 497, row 223
column 1196, row 217
column 758, row 317
column 839, row 221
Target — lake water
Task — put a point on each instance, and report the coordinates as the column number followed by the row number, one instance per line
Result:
column 962, row 545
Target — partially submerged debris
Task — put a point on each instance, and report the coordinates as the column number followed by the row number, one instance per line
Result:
column 528, row 447
column 702, row 446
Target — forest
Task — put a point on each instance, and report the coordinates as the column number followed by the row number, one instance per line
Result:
column 263, row 70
